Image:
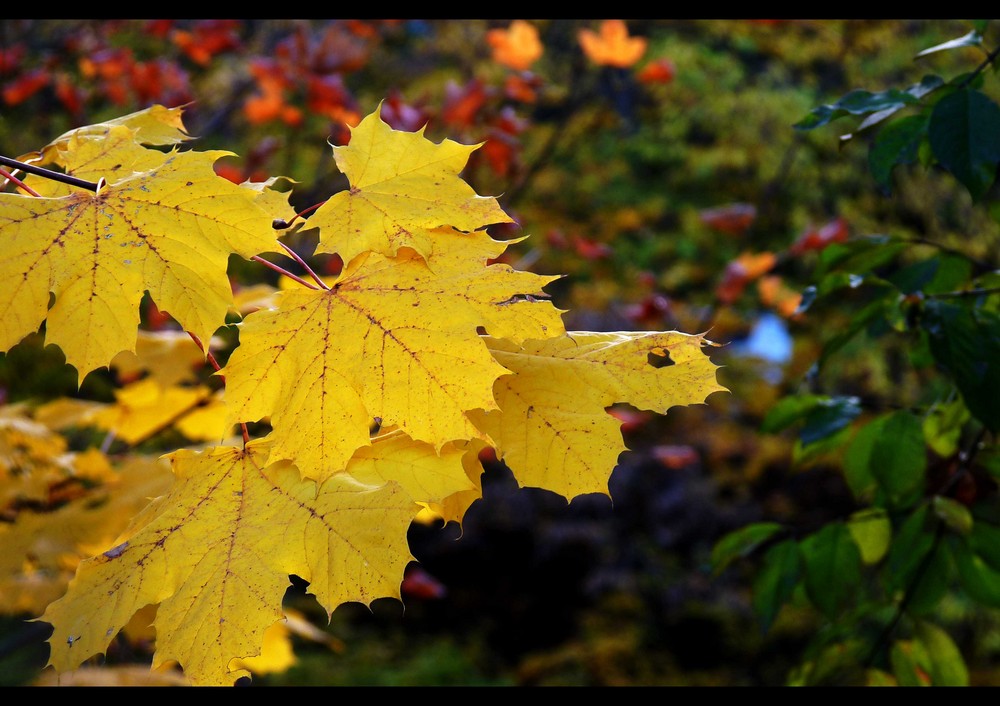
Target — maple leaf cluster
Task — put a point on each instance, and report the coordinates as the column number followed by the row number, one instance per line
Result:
column 379, row 387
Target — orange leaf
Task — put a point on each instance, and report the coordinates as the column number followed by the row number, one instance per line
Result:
column 612, row 45
column 741, row 271
column 516, row 47
column 776, row 294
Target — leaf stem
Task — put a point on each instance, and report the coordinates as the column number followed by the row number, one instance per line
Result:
column 295, row 256
column 280, row 224
column 218, row 368
column 10, row 177
column 49, row 174
column 281, row 270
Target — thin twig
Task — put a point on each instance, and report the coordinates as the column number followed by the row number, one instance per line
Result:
column 49, row 174
column 217, row 368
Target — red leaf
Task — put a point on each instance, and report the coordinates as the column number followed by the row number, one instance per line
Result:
column 835, row 231
column 733, row 218
column 657, row 71
column 27, row 85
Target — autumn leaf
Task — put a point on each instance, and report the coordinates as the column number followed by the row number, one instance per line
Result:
column 42, row 549
column 169, row 357
column 427, row 476
column 168, row 229
column 516, row 47
column 552, row 428
column 145, row 407
column 611, row 45
column 402, row 186
column 216, row 554
column 390, row 340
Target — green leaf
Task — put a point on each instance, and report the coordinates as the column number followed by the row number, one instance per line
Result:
column 775, row 581
column 741, row 543
column 979, row 579
column 953, row 513
column 910, row 663
column 899, row 458
column 789, row 410
column 916, row 275
column 964, row 136
column 829, row 417
column 896, row 143
column 857, row 102
column 966, row 342
column 972, row 39
column 946, row 664
column 914, row 547
column 953, row 272
column 872, row 532
column 942, row 426
column 832, row 568
column 985, row 543
column 888, row 453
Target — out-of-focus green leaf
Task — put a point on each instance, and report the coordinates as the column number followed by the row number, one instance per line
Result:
column 857, row 462
column 872, row 532
column 832, row 568
column 888, row 451
column 979, row 579
column 972, row 39
column 788, row 411
column 876, row 677
column 915, row 276
column 740, row 543
column 917, row 565
column 828, row 417
column 953, row 272
column 859, row 255
column 966, row 342
column 953, row 513
column 857, row 102
column 947, row 667
column 963, row 134
column 911, row 664
column 942, row 426
column 897, row 143
column 985, row 543
column 775, row 582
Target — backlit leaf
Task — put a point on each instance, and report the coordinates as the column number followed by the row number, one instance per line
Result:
column 391, row 340
column 216, row 553
column 402, row 186
column 169, row 230
column 552, row 428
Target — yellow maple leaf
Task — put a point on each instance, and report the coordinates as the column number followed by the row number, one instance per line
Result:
column 552, row 429
column 425, row 475
column 611, row 45
column 156, row 125
column 168, row 229
column 401, row 186
column 390, row 340
column 143, row 408
column 216, row 553
column 42, row 549
column 170, row 357
column 207, row 422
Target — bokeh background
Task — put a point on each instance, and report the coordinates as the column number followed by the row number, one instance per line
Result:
column 652, row 162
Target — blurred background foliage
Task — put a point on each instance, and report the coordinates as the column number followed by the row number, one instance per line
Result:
column 655, row 164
